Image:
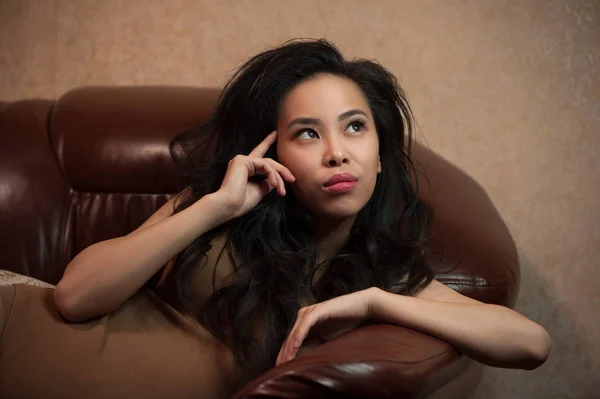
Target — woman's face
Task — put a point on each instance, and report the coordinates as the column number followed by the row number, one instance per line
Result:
column 326, row 128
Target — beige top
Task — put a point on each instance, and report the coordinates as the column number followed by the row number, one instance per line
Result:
column 201, row 278
column 145, row 349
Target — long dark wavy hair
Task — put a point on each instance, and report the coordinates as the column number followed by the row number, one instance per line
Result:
column 275, row 241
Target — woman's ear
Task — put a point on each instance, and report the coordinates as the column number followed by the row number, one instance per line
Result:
column 378, row 164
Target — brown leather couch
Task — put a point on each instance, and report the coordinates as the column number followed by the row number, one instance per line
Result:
column 94, row 164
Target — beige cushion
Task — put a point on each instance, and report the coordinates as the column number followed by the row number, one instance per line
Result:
column 10, row 278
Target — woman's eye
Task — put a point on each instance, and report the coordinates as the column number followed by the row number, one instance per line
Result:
column 311, row 134
column 355, row 127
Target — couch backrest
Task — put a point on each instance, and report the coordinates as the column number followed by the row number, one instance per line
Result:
column 95, row 164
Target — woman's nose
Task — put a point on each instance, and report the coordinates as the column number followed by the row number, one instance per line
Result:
column 337, row 159
column 336, row 156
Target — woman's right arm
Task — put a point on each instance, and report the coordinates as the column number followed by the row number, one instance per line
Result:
column 104, row 275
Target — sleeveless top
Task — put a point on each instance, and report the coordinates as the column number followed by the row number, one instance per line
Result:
column 201, row 276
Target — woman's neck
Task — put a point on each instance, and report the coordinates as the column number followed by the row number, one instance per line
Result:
column 330, row 237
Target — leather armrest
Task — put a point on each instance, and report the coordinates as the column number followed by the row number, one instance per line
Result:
column 374, row 361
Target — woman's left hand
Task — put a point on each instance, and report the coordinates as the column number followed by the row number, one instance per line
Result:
column 326, row 320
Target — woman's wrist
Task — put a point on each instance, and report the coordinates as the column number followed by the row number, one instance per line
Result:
column 374, row 295
column 389, row 307
column 214, row 209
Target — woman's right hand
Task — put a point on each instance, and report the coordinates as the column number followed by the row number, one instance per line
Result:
column 237, row 193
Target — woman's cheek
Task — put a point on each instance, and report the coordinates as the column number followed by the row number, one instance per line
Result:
column 300, row 189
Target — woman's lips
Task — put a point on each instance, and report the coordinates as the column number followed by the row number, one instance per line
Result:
column 340, row 183
column 342, row 187
column 339, row 178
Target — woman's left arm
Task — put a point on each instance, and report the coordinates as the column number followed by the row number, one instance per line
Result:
column 491, row 334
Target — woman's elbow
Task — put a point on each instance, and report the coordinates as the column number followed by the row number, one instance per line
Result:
column 539, row 349
column 67, row 304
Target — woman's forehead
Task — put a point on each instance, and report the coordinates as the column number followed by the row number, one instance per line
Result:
column 323, row 95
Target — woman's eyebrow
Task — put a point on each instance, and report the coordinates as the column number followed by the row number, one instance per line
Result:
column 350, row 113
column 305, row 121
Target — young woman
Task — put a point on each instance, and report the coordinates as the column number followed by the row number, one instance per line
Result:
column 303, row 180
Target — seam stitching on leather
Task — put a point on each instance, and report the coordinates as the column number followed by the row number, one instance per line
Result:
column 458, row 282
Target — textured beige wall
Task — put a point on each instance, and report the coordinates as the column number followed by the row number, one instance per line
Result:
column 508, row 90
